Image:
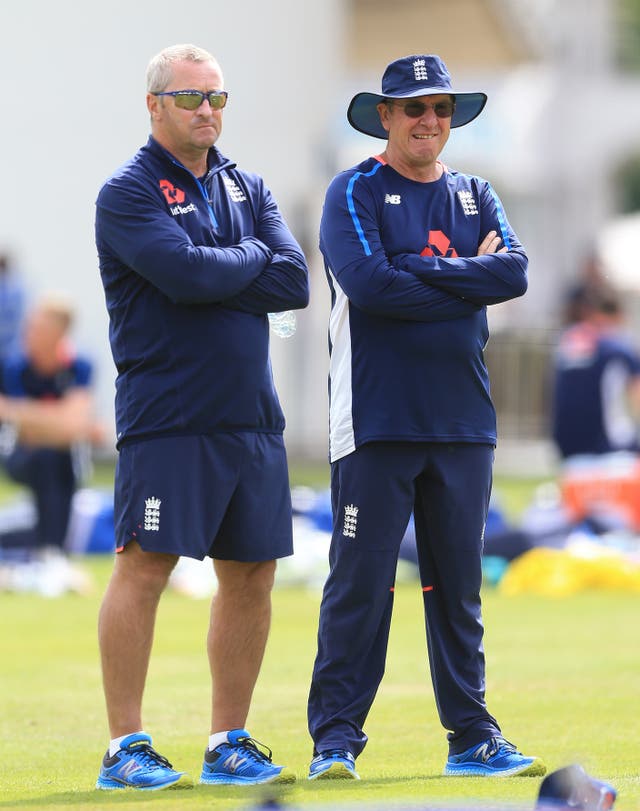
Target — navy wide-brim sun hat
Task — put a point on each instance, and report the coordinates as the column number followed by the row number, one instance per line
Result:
column 406, row 78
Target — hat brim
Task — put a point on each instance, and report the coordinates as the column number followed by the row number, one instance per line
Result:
column 363, row 113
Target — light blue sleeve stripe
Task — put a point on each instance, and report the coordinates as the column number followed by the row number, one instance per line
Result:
column 502, row 218
column 352, row 208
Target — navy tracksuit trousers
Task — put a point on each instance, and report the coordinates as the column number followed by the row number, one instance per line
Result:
column 374, row 490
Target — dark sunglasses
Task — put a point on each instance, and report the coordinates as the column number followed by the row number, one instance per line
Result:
column 416, row 109
column 192, row 99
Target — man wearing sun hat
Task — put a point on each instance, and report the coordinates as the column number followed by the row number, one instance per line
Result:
column 414, row 252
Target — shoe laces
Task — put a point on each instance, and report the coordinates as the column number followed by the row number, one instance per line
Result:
column 328, row 753
column 497, row 744
column 254, row 749
column 148, row 755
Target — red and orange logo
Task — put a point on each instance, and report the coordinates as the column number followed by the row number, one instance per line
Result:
column 439, row 244
column 171, row 193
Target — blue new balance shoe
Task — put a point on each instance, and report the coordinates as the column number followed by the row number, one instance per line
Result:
column 137, row 765
column 333, row 764
column 242, row 761
column 494, row 757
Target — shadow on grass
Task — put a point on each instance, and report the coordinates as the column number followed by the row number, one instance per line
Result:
column 205, row 796
column 285, row 798
column 258, row 797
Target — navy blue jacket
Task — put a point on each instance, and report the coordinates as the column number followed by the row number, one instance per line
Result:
column 190, row 268
column 408, row 323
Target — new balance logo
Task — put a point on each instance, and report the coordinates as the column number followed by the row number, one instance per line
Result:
column 233, row 762
column 482, row 752
column 350, row 521
column 468, row 202
column 152, row 514
column 393, row 199
column 420, row 70
column 129, row 768
column 235, row 192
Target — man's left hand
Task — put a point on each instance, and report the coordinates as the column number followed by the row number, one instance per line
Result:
column 491, row 244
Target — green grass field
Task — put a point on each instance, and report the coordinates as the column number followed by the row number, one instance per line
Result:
column 563, row 678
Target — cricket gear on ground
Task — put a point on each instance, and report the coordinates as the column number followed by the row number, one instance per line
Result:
column 495, row 757
column 188, row 251
column 411, row 76
column 242, row 761
column 572, row 787
column 359, row 592
column 334, row 764
column 137, row 765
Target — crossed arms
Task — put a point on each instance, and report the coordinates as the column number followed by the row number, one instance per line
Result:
column 410, row 286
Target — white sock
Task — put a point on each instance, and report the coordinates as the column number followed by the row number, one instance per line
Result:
column 114, row 744
column 217, row 738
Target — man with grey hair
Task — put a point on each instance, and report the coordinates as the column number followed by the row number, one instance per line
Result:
column 194, row 255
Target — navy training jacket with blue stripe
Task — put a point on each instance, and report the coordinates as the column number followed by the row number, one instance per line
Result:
column 408, row 322
column 190, row 269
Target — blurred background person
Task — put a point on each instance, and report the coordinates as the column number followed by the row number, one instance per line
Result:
column 578, row 296
column 12, row 303
column 48, row 414
column 596, row 380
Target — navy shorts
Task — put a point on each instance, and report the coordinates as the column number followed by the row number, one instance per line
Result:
column 224, row 495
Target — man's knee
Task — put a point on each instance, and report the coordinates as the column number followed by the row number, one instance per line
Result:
column 247, row 578
column 147, row 569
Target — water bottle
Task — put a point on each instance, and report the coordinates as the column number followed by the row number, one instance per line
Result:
column 283, row 324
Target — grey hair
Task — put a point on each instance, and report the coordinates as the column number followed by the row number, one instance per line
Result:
column 160, row 68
